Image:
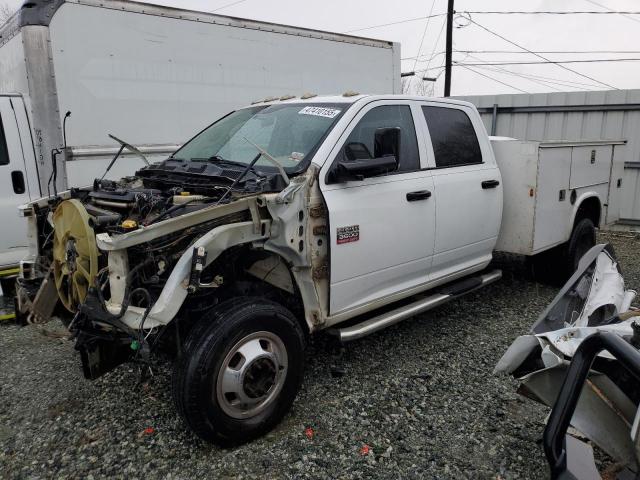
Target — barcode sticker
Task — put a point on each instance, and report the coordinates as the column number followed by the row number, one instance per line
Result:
column 320, row 112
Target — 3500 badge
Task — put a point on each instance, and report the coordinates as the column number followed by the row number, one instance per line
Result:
column 348, row 234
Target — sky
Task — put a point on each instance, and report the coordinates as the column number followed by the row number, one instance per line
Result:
column 601, row 35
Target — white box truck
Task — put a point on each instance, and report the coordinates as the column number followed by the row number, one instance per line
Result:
column 285, row 218
column 150, row 75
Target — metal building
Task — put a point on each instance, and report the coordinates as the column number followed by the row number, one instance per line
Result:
column 611, row 115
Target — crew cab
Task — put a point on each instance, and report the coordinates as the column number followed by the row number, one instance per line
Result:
column 282, row 219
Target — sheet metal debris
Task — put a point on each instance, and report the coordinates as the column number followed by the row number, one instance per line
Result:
column 594, row 300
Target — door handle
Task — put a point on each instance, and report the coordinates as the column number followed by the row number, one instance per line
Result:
column 17, row 179
column 490, row 184
column 419, row 195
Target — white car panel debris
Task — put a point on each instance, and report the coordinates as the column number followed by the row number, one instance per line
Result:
column 594, row 300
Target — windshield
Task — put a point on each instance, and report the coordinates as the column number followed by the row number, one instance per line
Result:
column 289, row 132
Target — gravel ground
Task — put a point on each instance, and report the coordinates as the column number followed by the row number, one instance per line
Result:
column 419, row 395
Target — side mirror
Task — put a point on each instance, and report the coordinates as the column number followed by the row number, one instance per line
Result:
column 356, row 151
column 357, row 163
column 361, row 169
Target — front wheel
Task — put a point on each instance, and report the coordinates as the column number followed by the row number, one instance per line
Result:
column 240, row 371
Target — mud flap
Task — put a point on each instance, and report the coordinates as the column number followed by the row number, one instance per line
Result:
column 101, row 355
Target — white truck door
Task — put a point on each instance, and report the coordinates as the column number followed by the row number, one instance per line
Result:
column 467, row 191
column 382, row 226
column 13, row 185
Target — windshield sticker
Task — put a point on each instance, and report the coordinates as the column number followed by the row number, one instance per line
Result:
column 320, row 112
column 296, row 156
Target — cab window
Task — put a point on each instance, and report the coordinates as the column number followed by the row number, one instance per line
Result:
column 4, row 153
column 367, row 139
column 453, row 137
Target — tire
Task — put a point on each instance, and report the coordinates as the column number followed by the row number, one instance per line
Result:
column 546, row 267
column 583, row 237
column 556, row 265
column 260, row 346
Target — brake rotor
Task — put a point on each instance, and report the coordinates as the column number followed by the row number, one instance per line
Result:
column 75, row 254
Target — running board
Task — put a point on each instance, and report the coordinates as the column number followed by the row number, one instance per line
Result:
column 443, row 295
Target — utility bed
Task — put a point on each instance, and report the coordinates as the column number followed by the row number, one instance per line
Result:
column 542, row 183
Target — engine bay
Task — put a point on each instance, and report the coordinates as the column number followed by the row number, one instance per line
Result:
column 169, row 189
column 67, row 228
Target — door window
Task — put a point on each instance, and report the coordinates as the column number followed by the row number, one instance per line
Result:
column 4, row 153
column 453, row 137
column 389, row 116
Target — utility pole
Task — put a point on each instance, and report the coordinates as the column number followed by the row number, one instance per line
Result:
column 448, row 54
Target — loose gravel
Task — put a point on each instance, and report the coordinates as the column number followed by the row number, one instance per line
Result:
column 417, row 400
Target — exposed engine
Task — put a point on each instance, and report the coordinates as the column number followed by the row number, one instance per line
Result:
column 158, row 192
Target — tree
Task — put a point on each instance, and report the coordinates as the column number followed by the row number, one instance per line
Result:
column 5, row 12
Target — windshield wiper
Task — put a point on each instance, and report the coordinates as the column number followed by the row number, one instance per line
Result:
column 223, row 161
column 269, row 157
column 248, row 168
column 123, row 145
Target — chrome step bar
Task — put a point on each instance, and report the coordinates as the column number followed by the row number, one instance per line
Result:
column 384, row 320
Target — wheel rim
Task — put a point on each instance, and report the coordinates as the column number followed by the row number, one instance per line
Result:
column 252, row 375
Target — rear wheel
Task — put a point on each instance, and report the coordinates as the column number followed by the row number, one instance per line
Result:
column 240, row 370
column 556, row 265
column 582, row 239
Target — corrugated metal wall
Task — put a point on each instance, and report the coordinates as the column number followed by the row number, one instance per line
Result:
column 613, row 115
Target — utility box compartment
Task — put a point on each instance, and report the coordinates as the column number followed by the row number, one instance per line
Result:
column 590, row 165
column 543, row 184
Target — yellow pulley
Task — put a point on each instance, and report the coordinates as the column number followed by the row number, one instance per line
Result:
column 75, row 254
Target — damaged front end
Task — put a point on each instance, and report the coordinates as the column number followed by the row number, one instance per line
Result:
column 581, row 358
column 133, row 263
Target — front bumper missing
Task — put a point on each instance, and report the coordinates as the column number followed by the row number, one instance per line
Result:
column 103, row 340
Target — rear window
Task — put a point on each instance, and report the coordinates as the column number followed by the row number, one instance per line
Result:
column 4, row 153
column 453, row 137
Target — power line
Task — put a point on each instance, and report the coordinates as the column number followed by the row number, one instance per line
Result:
column 508, row 72
column 394, row 23
column 550, row 51
column 494, row 79
column 228, row 5
column 424, row 33
column 557, row 81
column 546, row 83
column 551, row 12
column 540, row 56
column 424, row 58
column 624, row 14
column 496, row 12
column 444, row 23
column 560, row 62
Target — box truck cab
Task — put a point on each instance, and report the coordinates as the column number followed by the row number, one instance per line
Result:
column 18, row 177
column 73, row 72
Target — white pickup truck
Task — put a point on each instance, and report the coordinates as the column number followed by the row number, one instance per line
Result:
column 344, row 213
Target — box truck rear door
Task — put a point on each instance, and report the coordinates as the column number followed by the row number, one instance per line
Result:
column 13, row 185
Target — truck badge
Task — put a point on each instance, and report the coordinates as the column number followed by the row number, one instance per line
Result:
column 348, row 234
